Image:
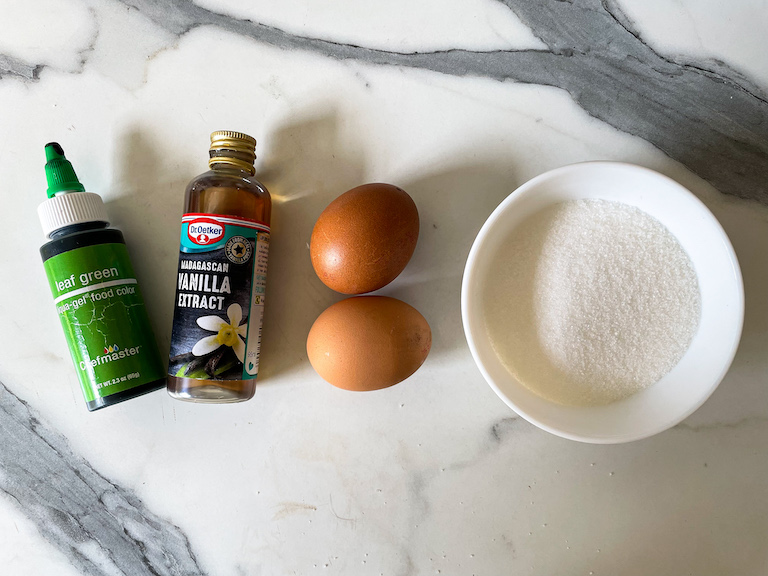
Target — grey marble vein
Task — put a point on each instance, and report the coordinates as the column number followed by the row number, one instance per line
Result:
column 502, row 429
column 102, row 528
column 738, row 424
column 702, row 114
column 13, row 67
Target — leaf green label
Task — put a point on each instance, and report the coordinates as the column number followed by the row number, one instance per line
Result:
column 104, row 319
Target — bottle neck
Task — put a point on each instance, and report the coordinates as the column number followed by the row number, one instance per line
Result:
column 81, row 227
column 223, row 159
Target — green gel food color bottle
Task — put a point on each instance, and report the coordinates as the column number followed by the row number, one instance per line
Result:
column 95, row 291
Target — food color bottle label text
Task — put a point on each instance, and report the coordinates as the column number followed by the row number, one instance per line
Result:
column 105, row 323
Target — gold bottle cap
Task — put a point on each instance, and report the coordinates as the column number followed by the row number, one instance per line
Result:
column 226, row 140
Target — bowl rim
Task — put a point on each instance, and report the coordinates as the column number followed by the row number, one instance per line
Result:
column 469, row 271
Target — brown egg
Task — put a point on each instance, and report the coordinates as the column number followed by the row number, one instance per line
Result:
column 364, row 238
column 368, row 342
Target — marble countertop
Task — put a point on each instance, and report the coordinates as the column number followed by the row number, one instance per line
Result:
column 458, row 103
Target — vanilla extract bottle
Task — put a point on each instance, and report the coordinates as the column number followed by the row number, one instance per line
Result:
column 221, row 280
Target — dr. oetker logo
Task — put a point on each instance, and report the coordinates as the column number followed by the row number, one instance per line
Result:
column 203, row 231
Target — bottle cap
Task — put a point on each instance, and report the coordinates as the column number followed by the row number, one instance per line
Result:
column 59, row 172
column 233, row 148
column 67, row 203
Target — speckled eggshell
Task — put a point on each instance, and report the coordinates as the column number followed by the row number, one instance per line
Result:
column 364, row 238
column 368, row 342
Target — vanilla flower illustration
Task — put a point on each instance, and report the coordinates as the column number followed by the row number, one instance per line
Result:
column 228, row 334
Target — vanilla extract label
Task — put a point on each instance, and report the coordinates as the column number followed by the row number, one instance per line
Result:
column 220, row 297
column 192, row 284
column 204, row 265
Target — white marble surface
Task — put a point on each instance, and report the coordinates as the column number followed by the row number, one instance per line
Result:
column 434, row 475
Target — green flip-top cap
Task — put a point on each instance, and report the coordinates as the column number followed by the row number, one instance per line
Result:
column 59, row 172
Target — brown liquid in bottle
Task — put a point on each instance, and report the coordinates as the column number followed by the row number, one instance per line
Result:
column 227, row 190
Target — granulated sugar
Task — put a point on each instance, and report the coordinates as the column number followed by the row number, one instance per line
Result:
column 590, row 301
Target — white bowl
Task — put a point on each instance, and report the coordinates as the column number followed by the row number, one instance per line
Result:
column 696, row 376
